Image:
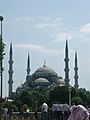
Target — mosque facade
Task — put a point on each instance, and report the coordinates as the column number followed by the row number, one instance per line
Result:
column 44, row 76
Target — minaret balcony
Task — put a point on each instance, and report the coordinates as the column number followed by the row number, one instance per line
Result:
column 76, row 68
column 10, row 82
column 66, row 69
column 10, row 62
column 76, row 77
column 66, row 59
column 10, row 72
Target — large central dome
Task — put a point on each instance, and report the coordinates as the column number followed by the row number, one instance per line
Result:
column 45, row 70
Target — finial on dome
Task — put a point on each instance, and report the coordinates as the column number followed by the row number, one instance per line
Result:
column 44, row 63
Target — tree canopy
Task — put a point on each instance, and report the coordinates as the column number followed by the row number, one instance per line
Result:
column 36, row 97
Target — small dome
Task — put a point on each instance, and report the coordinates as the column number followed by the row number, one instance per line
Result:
column 20, row 87
column 61, row 82
column 41, row 80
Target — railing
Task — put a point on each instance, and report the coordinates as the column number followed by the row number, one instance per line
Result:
column 24, row 116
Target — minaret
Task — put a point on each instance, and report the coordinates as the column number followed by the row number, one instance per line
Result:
column 10, row 81
column 28, row 66
column 66, row 65
column 76, row 72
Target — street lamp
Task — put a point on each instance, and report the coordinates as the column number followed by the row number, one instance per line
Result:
column 1, row 19
column 69, row 89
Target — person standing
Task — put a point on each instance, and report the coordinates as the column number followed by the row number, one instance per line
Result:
column 79, row 112
column 60, row 115
column 44, row 112
column 55, row 111
column 10, row 111
column 66, row 110
column 5, row 113
column 36, row 116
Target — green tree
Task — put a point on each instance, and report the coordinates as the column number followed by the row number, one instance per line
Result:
column 36, row 97
column 13, row 107
column 59, row 94
column 83, row 95
column 39, row 96
column 2, row 46
column 25, row 97
column 77, row 100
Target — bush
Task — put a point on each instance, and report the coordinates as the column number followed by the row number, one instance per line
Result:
column 77, row 100
column 14, row 108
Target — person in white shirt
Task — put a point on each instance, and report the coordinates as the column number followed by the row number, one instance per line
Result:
column 44, row 115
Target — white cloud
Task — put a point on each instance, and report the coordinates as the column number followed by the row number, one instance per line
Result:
column 61, row 36
column 84, row 33
column 43, row 18
column 85, row 28
column 50, row 19
column 40, row 22
column 45, row 25
column 24, row 19
column 58, row 19
column 37, row 48
column 48, row 22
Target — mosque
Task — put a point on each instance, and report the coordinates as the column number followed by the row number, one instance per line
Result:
column 44, row 77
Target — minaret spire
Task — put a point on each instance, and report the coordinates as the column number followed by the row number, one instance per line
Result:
column 44, row 63
column 10, row 81
column 28, row 65
column 66, row 65
column 76, row 72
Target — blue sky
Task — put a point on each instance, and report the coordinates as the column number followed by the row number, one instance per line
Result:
column 40, row 28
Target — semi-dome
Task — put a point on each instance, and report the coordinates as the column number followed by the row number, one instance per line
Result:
column 45, row 70
column 41, row 80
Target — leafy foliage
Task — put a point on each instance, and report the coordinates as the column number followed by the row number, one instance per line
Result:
column 59, row 94
column 35, row 97
column 77, row 100
column 2, row 46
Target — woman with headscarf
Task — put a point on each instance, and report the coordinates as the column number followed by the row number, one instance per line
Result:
column 79, row 112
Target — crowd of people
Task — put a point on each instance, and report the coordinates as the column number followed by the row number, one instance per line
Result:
column 64, row 112
column 59, row 112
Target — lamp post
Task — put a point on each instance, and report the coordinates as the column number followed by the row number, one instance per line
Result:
column 1, row 19
column 36, row 104
column 69, row 89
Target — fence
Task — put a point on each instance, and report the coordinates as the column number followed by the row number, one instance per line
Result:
column 24, row 116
